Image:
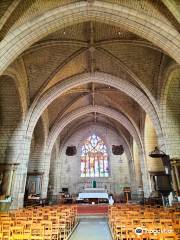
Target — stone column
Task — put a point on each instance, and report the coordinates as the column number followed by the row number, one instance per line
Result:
column 175, row 163
column 174, row 181
column 8, row 175
column 177, row 176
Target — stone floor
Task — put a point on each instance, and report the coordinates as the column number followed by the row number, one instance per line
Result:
column 92, row 229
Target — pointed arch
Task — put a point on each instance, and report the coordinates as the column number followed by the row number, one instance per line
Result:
column 154, row 30
column 94, row 157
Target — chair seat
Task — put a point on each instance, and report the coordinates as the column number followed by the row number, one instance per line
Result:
column 20, row 237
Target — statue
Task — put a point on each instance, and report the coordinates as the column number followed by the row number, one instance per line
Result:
column 111, row 200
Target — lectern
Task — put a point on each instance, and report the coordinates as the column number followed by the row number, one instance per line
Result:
column 127, row 193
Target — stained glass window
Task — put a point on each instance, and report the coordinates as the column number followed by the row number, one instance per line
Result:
column 94, row 158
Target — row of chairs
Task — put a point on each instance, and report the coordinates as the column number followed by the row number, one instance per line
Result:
column 38, row 223
column 131, row 221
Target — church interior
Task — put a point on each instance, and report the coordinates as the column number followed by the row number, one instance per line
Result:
column 89, row 119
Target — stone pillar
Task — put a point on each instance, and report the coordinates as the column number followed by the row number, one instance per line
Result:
column 45, row 179
column 175, row 163
column 145, row 176
column 8, row 175
column 174, row 181
column 177, row 177
column 52, row 171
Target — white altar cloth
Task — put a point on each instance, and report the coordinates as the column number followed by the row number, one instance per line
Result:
column 93, row 195
column 95, row 190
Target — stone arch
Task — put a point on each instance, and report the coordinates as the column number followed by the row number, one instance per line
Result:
column 88, row 131
column 127, row 147
column 166, row 83
column 36, row 154
column 39, row 106
column 154, row 30
column 106, row 99
column 17, row 73
column 61, row 123
column 37, row 147
column 170, row 99
column 54, row 76
column 150, row 142
column 10, row 115
column 105, row 125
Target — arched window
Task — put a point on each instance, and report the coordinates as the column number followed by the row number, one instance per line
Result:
column 94, row 158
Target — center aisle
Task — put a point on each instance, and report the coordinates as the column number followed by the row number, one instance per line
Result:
column 92, row 229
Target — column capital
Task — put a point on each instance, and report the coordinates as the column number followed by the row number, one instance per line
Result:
column 8, row 166
column 175, row 162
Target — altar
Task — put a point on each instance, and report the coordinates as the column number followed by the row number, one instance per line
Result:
column 93, row 195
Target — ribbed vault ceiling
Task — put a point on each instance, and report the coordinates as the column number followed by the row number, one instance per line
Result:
column 90, row 47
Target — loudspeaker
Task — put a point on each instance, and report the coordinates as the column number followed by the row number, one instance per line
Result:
column 65, row 190
column 117, row 150
column 71, row 150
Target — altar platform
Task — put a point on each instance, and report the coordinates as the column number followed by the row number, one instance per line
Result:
column 93, row 195
column 89, row 209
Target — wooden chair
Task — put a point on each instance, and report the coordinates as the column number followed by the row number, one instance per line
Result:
column 16, row 230
column 37, row 238
column 130, row 234
column 18, row 220
column 117, row 231
column 27, row 227
column 37, row 232
column 37, row 219
column 63, row 228
column 6, row 225
column 20, row 237
column 167, row 222
column 47, row 229
column 146, row 222
column 55, row 231
column 171, row 236
column 176, row 228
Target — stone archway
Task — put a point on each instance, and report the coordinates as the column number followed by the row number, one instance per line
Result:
column 61, row 123
column 170, row 110
column 154, row 30
column 39, row 106
column 10, row 118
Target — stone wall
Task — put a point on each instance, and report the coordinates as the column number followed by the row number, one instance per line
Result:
column 69, row 170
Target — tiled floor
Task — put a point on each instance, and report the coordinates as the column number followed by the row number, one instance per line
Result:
column 92, row 229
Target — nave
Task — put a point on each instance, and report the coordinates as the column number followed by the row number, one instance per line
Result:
column 92, row 228
column 64, row 222
column 88, row 89
column 89, row 117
